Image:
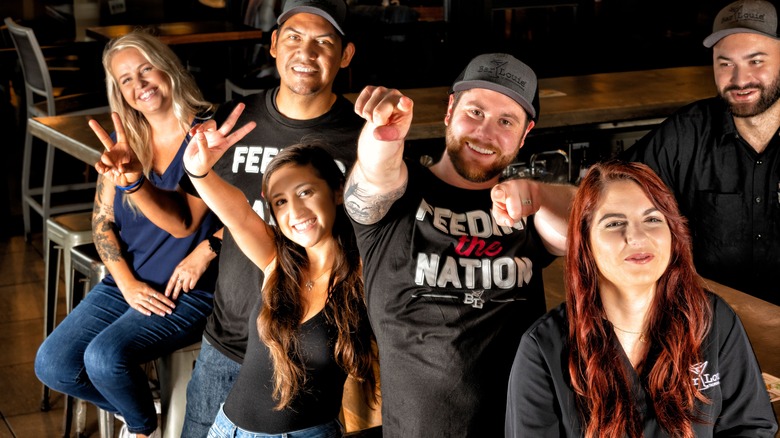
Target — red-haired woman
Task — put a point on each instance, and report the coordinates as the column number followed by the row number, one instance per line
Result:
column 639, row 348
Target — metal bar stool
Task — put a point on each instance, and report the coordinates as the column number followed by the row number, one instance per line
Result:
column 87, row 268
column 62, row 233
column 174, row 370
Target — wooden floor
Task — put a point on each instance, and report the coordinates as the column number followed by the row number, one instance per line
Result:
column 21, row 332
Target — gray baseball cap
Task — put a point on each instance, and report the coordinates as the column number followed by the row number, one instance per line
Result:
column 335, row 11
column 504, row 74
column 744, row 16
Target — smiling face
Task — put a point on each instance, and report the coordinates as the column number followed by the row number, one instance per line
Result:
column 629, row 237
column 308, row 52
column 304, row 205
column 145, row 88
column 747, row 72
column 485, row 130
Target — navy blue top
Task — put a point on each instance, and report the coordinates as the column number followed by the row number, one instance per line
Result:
column 152, row 252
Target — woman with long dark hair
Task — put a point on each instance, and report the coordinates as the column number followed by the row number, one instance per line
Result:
column 308, row 330
column 639, row 348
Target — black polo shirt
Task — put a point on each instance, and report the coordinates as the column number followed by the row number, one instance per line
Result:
column 729, row 193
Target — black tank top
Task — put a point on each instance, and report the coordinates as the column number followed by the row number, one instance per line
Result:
column 250, row 404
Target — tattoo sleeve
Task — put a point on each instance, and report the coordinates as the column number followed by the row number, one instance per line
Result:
column 365, row 207
column 104, row 233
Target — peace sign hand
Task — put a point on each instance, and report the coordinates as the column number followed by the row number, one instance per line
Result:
column 119, row 162
column 209, row 143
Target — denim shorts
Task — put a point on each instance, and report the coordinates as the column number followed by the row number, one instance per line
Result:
column 224, row 428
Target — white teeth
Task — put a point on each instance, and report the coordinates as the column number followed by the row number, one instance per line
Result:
column 481, row 150
column 303, row 69
column 304, row 225
column 147, row 94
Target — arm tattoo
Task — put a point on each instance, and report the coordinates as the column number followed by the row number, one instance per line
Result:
column 366, row 208
column 103, row 227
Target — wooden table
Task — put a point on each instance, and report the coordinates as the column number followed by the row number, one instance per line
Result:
column 72, row 134
column 187, row 32
column 594, row 101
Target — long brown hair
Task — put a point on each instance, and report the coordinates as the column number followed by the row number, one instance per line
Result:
column 279, row 319
column 678, row 320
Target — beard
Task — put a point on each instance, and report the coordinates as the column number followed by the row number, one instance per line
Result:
column 769, row 95
column 470, row 171
column 303, row 89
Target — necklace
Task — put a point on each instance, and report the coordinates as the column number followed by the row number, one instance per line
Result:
column 310, row 283
column 641, row 334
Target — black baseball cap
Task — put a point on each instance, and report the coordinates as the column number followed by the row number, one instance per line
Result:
column 744, row 16
column 505, row 74
column 335, row 11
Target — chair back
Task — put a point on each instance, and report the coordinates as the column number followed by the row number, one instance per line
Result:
column 37, row 80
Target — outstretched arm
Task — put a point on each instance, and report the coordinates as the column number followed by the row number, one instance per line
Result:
column 379, row 176
column 253, row 235
column 516, row 199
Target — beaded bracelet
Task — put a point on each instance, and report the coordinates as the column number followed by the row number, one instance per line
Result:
column 192, row 175
column 134, row 187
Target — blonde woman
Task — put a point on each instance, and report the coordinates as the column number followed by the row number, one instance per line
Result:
column 132, row 317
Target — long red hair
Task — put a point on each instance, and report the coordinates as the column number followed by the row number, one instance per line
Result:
column 678, row 320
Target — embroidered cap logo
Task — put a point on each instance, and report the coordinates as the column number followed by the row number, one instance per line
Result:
column 737, row 15
column 499, row 72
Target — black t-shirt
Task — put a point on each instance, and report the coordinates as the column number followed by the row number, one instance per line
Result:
column 449, row 295
column 729, row 194
column 239, row 280
column 250, row 404
column 541, row 402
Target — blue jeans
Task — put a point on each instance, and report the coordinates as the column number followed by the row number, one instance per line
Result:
column 224, row 428
column 96, row 352
column 209, row 386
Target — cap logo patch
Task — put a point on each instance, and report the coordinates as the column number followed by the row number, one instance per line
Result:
column 738, row 15
column 498, row 71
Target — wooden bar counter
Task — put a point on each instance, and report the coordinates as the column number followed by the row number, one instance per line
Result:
column 185, row 32
column 596, row 100
column 566, row 103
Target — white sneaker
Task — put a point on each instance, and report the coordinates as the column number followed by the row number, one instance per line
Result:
column 124, row 433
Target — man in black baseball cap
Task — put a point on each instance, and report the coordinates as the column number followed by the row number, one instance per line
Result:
column 452, row 258
column 721, row 156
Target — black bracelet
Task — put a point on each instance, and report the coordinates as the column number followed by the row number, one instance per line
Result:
column 134, row 187
column 192, row 175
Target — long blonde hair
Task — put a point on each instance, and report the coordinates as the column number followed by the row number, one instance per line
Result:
column 187, row 98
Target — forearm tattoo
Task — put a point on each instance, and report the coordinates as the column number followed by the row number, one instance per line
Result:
column 366, row 208
column 103, row 227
